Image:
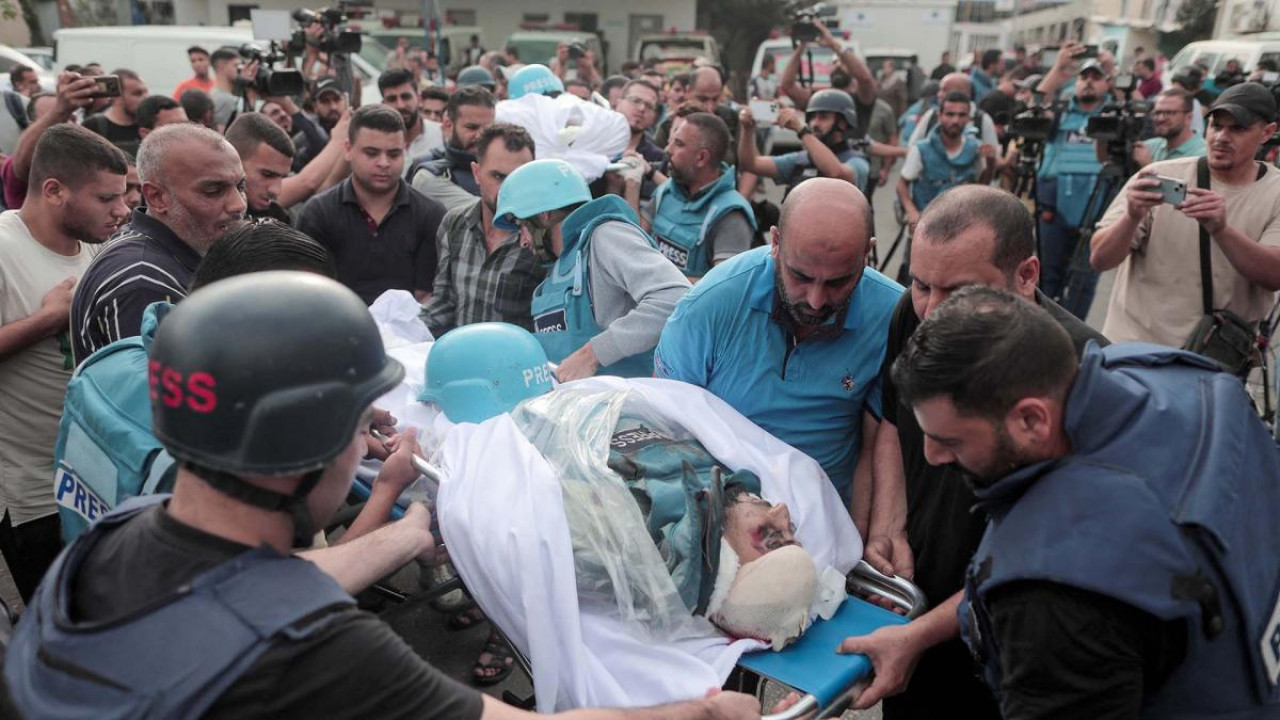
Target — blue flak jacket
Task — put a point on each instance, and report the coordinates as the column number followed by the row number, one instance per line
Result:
column 563, row 317
column 1168, row 503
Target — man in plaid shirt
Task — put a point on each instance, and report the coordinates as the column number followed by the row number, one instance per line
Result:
column 483, row 274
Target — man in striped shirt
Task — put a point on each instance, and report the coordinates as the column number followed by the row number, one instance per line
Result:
column 193, row 183
column 483, row 274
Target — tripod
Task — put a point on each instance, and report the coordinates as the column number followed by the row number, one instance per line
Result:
column 1081, row 278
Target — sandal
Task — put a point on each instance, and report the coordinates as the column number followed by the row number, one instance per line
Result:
column 467, row 618
column 501, row 660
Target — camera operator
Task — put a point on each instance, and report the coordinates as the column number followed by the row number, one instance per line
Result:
column 1157, row 296
column 1174, row 138
column 1065, row 183
column 226, row 74
column 583, row 62
column 877, row 121
column 825, row 131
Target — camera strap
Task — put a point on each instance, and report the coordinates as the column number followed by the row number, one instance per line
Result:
column 1206, row 262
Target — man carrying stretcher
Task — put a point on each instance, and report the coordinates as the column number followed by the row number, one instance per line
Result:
column 190, row 605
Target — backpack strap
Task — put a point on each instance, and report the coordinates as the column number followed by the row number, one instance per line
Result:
column 1206, row 262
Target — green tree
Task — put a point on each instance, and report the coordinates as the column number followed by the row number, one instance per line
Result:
column 1197, row 18
column 739, row 27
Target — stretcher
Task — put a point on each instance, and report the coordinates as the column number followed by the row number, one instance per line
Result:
column 510, row 553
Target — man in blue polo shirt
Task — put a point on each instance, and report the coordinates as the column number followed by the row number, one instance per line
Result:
column 792, row 335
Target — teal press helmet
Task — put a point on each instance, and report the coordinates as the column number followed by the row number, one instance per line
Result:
column 534, row 80
column 479, row 371
column 537, row 187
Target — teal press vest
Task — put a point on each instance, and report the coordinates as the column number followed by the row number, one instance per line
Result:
column 680, row 225
column 942, row 172
column 563, row 318
column 1070, row 168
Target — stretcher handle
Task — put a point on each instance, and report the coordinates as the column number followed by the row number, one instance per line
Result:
column 900, row 591
column 429, row 471
column 808, row 704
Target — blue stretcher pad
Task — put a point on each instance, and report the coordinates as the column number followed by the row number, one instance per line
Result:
column 811, row 665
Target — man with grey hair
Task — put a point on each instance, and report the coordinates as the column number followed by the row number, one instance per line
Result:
column 193, row 183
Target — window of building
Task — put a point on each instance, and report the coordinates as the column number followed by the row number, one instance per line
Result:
column 462, row 18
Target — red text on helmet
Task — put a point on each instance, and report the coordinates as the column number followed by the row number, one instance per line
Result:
column 196, row 390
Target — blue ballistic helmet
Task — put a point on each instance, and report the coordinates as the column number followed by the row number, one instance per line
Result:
column 475, row 75
column 479, row 371
column 535, row 80
column 537, row 187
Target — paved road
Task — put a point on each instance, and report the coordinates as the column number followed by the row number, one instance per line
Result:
column 455, row 651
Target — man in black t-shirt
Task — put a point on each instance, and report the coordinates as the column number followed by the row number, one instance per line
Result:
column 119, row 123
column 921, row 524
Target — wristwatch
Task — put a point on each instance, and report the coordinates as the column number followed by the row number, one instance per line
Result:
column 804, row 130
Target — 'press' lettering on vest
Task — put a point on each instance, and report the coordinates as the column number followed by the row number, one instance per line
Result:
column 672, row 252
column 551, row 322
column 77, row 497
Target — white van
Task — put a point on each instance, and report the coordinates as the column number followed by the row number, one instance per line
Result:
column 159, row 52
column 1214, row 55
column 454, row 39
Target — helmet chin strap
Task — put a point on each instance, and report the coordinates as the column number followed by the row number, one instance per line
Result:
column 293, row 504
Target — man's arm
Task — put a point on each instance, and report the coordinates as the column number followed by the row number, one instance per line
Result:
column 1122, row 224
column 799, row 94
column 731, row 235
column 853, row 64
column 749, row 161
column 894, row 650
column 360, row 562
column 908, row 206
column 860, row 497
column 1061, row 71
column 826, row 162
column 887, row 547
column 1259, row 263
column 439, row 313
column 73, row 92
column 52, row 317
column 623, row 259
column 311, row 179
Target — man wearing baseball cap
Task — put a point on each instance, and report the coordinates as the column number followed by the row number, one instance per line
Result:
column 1232, row 207
column 1066, row 181
column 330, row 102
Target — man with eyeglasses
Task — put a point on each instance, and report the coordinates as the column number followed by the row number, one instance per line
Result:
column 1174, row 137
column 639, row 104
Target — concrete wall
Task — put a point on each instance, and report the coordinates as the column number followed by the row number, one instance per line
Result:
column 499, row 18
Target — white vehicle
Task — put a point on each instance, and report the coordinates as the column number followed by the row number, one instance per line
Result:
column 159, row 52
column 42, row 55
column 454, row 40
column 675, row 52
column 539, row 46
column 10, row 58
column 1214, row 55
column 823, row 62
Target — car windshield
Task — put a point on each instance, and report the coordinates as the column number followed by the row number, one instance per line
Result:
column 672, row 48
column 536, row 50
column 374, row 51
column 823, row 63
column 899, row 63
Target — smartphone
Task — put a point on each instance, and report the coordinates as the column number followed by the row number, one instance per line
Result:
column 1173, row 189
column 1090, row 52
column 108, row 86
column 764, row 111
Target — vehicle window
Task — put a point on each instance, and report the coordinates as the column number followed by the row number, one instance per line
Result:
column 374, row 51
column 824, row 62
column 1179, row 61
column 535, row 51
column 675, row 48
column 1209, row 60
column 1272, row 56
column 6, row 64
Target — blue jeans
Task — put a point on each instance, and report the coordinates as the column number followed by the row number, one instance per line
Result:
column 1071, row 287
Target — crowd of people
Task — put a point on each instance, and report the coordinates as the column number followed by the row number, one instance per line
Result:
column 918, row 403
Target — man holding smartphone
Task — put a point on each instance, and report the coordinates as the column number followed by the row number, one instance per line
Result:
column 1157, row 296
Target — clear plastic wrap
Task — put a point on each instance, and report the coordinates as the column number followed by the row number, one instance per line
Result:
column 615, row 558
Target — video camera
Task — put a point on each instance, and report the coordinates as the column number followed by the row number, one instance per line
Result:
column 331, row 40
column 1033, row 124
column 1121, row 123
column 269, row 80
column 804, row 23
